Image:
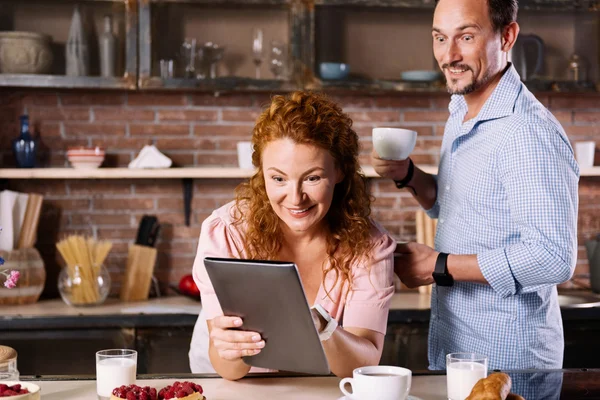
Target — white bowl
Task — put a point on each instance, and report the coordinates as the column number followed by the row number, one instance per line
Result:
column 394, row 143
column 34, row 390
column 25, row 53
column 84, row 163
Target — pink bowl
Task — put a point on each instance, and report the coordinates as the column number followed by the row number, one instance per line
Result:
column 85, row 158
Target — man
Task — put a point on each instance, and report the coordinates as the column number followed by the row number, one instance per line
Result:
column 505, row 197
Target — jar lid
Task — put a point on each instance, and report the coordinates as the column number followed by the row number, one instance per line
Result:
column 7, row 353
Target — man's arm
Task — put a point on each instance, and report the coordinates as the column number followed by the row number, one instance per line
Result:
column 414, row 264
column 422, row 185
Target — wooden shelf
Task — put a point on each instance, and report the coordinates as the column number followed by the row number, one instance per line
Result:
column 228, row 2
column 223, row 84
column 556, row 5
column 66, row 82
column 172, row 173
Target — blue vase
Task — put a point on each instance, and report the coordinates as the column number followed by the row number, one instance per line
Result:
column 25, row 147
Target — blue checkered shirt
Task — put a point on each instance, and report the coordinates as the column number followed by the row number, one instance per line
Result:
column 507, row 192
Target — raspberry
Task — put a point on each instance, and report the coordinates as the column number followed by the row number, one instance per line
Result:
column 135, row 392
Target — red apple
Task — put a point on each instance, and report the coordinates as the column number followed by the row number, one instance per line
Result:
column 188, row 287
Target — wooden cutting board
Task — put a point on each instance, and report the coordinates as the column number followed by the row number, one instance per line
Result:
column 138, row 273
column 28, row 234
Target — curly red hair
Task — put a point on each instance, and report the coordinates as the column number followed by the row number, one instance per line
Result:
column 313, row 119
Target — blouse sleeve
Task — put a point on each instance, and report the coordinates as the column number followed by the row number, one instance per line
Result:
column 369, row 299
column 216, row 240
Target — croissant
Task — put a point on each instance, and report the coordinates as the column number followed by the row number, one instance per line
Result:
column 494, row 387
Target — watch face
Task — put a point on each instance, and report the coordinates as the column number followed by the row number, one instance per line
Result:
column 443, row 279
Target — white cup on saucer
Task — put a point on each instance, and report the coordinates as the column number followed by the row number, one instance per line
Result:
column 394, row 143
column 379, row 382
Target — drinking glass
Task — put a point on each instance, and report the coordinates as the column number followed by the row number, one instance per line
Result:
column 188, row 56
column 114, row 368
column 278, row 59
column 166, row 69
column 257, row 49
column 463, row 370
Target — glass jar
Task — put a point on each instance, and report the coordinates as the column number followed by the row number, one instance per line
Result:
column 31, row 282
column 81, row 286
column 8, row 364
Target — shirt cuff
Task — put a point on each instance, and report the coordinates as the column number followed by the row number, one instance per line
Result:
column 496, row 270
column 366, row 316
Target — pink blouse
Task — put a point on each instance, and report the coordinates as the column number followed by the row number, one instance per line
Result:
column 367, row 304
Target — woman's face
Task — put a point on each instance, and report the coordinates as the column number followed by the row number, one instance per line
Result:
column 300, row 180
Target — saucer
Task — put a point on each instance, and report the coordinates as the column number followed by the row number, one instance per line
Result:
column 410, row 397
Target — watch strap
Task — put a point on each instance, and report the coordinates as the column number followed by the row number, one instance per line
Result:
column 441, row 264
column 440, row 271
column 331, row 326
column 409, row 175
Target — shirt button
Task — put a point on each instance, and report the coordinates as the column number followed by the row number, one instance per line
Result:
column 447, row 187
column 441, row 221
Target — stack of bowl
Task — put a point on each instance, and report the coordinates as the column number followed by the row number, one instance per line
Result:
column 85, row 157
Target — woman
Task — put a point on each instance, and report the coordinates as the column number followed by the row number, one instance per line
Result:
column 307, row 203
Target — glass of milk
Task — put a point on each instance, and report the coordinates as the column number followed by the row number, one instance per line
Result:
column 114, row 367
column 463, row 370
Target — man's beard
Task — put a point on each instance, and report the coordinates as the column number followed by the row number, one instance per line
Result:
column 471, row 87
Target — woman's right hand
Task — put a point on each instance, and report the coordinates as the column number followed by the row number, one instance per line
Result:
column 233, row 344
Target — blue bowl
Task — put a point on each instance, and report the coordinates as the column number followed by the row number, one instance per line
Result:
column 334, row 71
column 421, row 76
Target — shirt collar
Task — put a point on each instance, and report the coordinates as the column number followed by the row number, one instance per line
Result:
column 502, row 101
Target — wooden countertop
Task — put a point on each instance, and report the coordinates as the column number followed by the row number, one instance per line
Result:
column 162, row 305
column 260, row 388
column 531, row 384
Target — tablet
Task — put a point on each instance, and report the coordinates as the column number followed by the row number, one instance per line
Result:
column 269, row 297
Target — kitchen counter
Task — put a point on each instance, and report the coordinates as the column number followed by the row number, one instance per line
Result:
column 534, row 385
column 166, row 311
column 50, row 334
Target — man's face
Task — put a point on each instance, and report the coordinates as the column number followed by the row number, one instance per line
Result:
column 465, row 45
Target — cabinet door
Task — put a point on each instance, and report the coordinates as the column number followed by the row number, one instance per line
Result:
column 164, row 351
column 64, row 352
column 406, row 346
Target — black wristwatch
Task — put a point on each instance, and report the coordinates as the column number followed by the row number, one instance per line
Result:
column 409, row 175
column 440, row 272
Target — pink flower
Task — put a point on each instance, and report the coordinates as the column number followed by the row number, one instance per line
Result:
column 12, row 279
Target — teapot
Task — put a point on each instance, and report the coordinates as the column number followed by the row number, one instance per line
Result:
column 527, row 55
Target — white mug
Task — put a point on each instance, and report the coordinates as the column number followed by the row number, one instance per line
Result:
column 585, row 152
column 244, row 153
column 394, row 143
column 379, row 382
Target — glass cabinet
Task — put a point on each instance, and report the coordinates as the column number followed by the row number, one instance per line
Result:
column 67, row 44
column 271, row 45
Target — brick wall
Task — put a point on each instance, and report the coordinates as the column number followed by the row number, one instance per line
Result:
column 202, row 130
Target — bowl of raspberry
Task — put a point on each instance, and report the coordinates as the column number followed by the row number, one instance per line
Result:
column 13, row 390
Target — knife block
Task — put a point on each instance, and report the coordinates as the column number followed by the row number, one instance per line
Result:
column 138, row 274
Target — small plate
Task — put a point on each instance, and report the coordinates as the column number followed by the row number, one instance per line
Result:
column 410, row 397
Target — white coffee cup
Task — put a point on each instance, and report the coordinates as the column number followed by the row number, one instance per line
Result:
column 244, row 153
column 394, row 143
column 379, row 382
column 584, row 152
